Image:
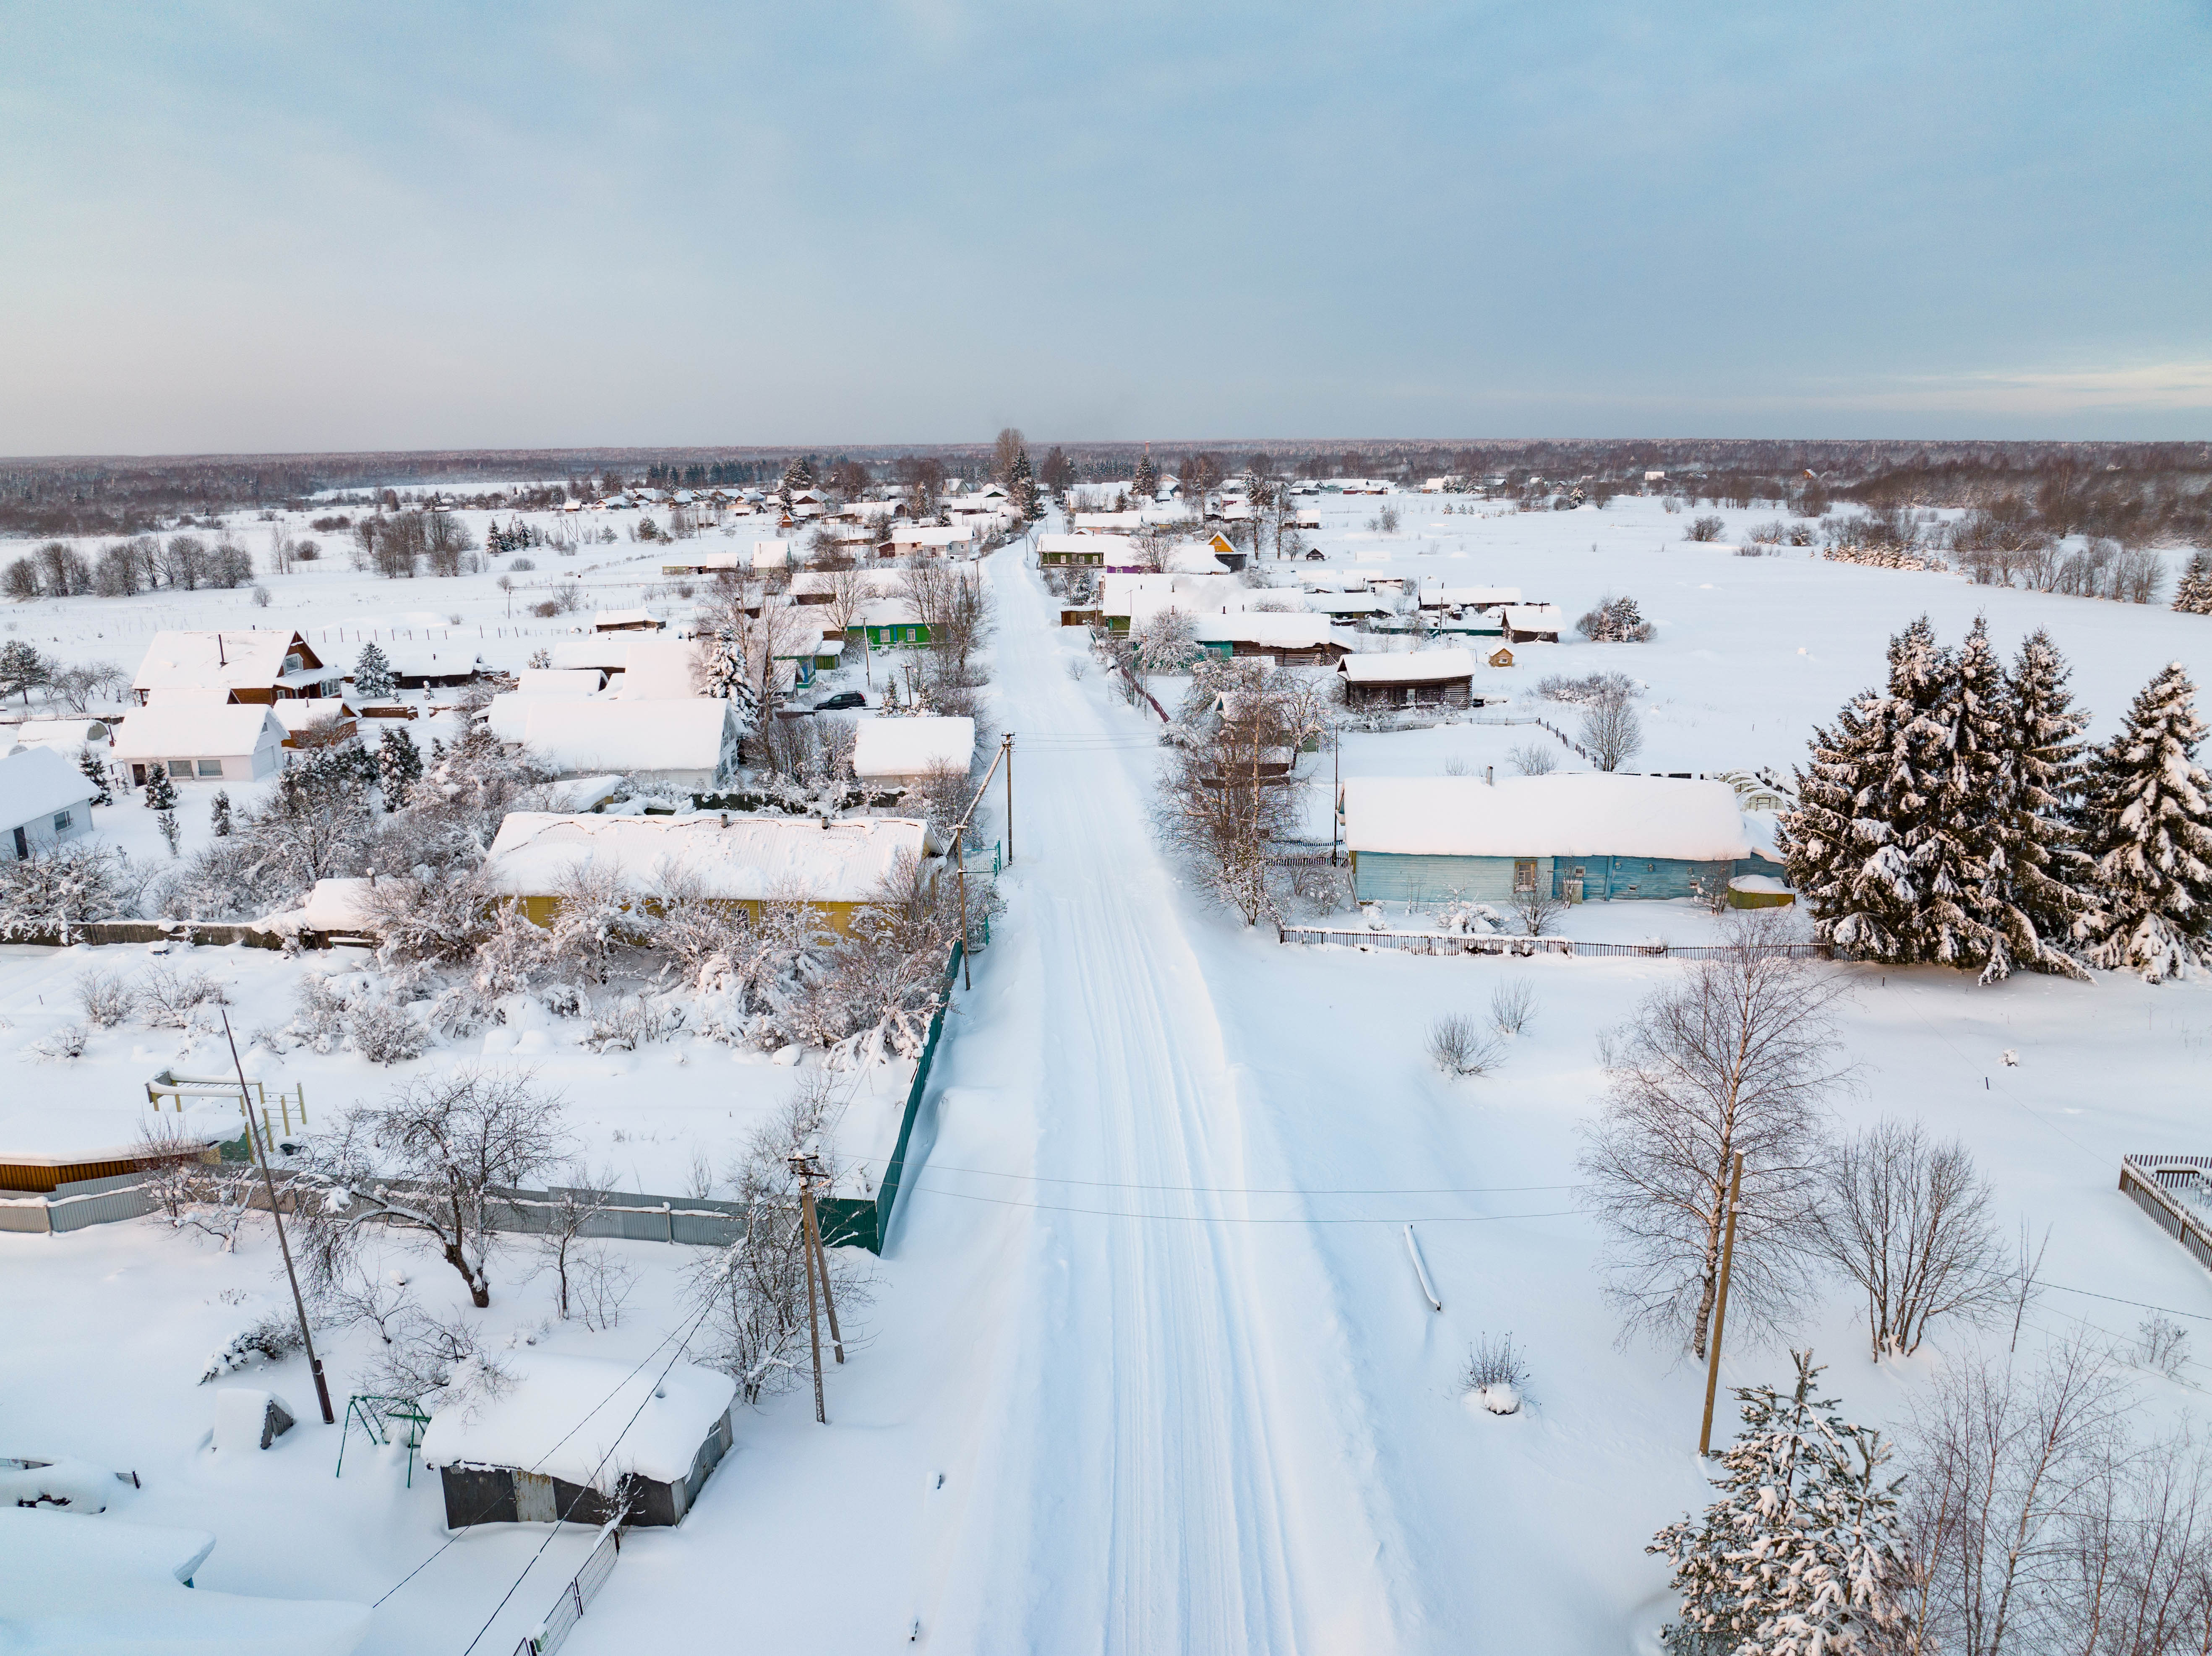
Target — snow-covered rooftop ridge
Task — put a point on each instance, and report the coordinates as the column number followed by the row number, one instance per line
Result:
column 884, row 748
column 736, row 858
column 37, row 783
column 641, row 618
column 1431, row 596
column 1264, row 627
column 169, row 732
column 560, row 681
column 1581, row 815
column 1418, row 666
column 660, row 669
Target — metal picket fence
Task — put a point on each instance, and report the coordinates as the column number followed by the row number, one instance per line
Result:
column 2166, row 1188
column 568, row 1609
column 1457, row 943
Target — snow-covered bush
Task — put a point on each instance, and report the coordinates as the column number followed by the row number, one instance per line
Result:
column 1585, row 688
column 64, row 1043
column 1615, row 620
column 106, row 997
column 1704, row 529
column 167, row 996
column 1534, row 759
column 1459, row 1046
column 385, row 1031
column 270, row 1337
column 625, row 1025
column 223, row 880
column 1512, row 1004
column 63, row 883
column 319, row 1017
column 1497, row 1374
column 2161, row 1346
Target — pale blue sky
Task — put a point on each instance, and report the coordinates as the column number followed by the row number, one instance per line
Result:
column 391, row 226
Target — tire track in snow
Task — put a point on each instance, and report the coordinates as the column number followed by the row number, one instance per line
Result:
column 1160, row 1487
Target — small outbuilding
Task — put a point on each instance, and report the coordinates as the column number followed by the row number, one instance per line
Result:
column 1422, row 678
column 1531, row 623
column 645, row 1447
column 43, row 798
column 626, row 621
column 234, row 742
column 907, row 752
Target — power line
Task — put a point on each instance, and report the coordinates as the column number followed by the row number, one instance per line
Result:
column 561, row 1519
column 1244, row 1189
column 1235, row 1219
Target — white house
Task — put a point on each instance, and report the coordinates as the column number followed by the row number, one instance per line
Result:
column 43, row 798
column 234, row 743
column 690, row 743
column 906, row 752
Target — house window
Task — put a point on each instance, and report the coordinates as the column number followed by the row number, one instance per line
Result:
column 180, row 767
column 211, row 767
column 1524, row 874
column 62, row 821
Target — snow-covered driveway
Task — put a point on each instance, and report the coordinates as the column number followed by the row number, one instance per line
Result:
column 1165, row 1468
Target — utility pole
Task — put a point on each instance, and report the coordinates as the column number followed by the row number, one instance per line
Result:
column 808, row 1171
column 1720, row 1307
column 277, row 1217
column 1335, row 790
column 1008, row 745
column 813, row 1319
column 960, row 860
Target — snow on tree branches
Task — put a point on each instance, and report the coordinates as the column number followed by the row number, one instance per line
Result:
column 2149, row 816
column 371, row 674
column 1615, row 620
column 1800, row 1555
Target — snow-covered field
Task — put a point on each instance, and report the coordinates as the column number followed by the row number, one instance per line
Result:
column 1147, row 1367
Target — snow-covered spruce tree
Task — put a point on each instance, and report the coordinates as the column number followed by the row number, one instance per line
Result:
column 2147, row 813
column 2194, row 596
column 1798, row 1555
column 1864, row 802
column 1022, row 489
column 399, row 766
column 371, row 674
column 1964, row 740
column 796, row 476
column 2039, row 886
column 219, row 813
column 95, row 772
column 1147, row 480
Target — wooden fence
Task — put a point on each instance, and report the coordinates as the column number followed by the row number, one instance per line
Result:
column 2159, row 1185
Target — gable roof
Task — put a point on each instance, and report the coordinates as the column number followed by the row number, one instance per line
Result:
column 251, row 659
column 187, row 732
column 37, row 782
column 574, row 737
column 660, row 669
column 1414, row 667
column 1264, row 627
column 1577, row 814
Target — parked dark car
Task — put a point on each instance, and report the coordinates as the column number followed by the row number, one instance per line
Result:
column 840, row 701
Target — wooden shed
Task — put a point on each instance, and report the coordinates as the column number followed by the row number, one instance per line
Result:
column 1422, row 678
column 582, row 1441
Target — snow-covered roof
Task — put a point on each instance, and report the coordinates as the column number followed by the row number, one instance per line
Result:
column 607, row 653
column 771, row 554
column 81, row 1582
column 660, row 669
column 1532, row 617
column 414, row 659
column 295, row 713
column 1561, row 815
column 608, row 619
column 561, row 681
column 931, row 535
column 1263, row 626
column 1418, row 667
column 1462, row 597
column 912, row 747
column 692, row 734
column 533, row 1423
column 1108, row 522
column 165, row 731
column 887, row 612
column 1345, row 603
column 736, row 858
column 1117, row 588
column 1194, row 558
column 342, row 905
column 58, row 732
column 36, row 783
column 250, row 659
column 1112, row 546
column 188, row 695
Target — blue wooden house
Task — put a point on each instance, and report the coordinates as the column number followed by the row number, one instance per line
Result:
column 1584, row 837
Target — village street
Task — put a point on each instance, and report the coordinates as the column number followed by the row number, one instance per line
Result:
column 1166, row 1466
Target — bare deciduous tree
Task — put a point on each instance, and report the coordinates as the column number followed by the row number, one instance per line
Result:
column 429, row 1161
column 1612, row 732
column 1907, row 1220
column 1734, row 1058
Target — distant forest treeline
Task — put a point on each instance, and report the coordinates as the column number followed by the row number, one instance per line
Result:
column 2135, row 492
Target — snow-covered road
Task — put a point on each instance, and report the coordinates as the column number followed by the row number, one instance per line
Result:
column 1165, row 1468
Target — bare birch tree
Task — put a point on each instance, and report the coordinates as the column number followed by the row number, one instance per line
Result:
column 1735, row 1057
